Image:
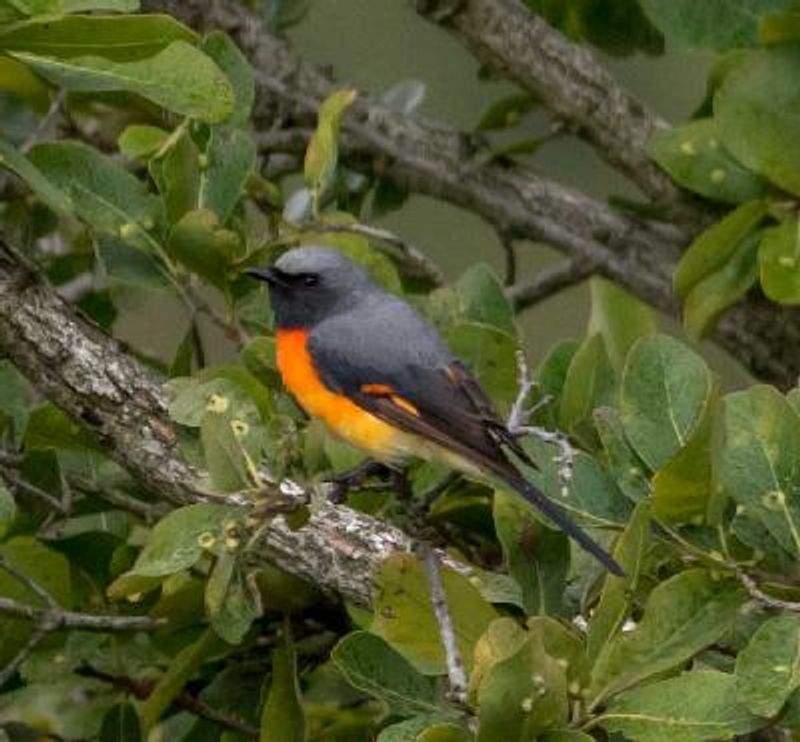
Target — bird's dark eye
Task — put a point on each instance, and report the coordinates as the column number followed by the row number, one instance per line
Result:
column 310, row 280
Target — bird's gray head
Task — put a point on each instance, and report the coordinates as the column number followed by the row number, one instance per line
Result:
column 308, row 284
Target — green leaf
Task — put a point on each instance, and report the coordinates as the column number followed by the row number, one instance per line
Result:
column 590, row 383
column 177, row 174
column 140, row 141
column 779, row 262
column 372, row 666
column 238, row 608
column 121, row 724
column 230, row 160
column 759, row 459
column 502, row 639
column 48, row 568
column 323, row 149
column 8, row 509
column 414, row 730
column 180, row 538
column 225, row 455
column 482, row 298
column 114, row 37
column 691, row 707
column 592, row 490
column 619, row 318
column 755, row 109
column 213, row 388
column 616, row 599
column 536, row 556
column 180, row 670
column 624, row 464
column 683, row 615
column 221, row 48
column 204, row 247
column 82, row 6
column 282, row 718
column 404, row 615
column 664, row 392
column 491, row 354
column 564, row 735
column 522, row 695
column 105, row 195
column 40, row 184
column 711, row 24
column 683, row 490
column 714, row 294
column 180, row 78
column 709, row 253
column 693, row 155
column 130, row 266
column 768, row 668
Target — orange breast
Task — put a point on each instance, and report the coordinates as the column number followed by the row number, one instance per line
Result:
column 343, row 417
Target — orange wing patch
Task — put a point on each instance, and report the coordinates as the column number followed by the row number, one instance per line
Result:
column 384, row 390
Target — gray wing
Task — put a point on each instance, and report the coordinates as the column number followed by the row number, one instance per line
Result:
column 392, row 363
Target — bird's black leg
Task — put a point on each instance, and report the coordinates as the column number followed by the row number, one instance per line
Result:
column 355, row 477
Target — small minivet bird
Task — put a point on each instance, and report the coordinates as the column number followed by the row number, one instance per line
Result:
column 379, row 376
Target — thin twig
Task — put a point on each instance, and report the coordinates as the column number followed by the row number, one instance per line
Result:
column 760, row 596
column 57, row 618
column 510, row 251
column 517, row 424
column 39, row 634
column 115, row 496
column 28, row 582
column 10, row 459
column 456, row 675
column 46, row 122
column 21, row 486
column 548, row 282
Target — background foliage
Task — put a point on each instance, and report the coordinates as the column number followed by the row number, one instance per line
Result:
column 131, row 170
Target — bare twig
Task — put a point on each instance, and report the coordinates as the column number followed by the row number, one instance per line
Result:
column 47, row 121
column 510, row 250
column 549, row 281
column 21, row 486
column 517, row 424
column 36, row 638
column 28, row 582
column 456, row 675
column 760, row 596
column 57, row 618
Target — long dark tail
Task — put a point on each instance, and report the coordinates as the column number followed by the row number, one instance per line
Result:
column 545, row 505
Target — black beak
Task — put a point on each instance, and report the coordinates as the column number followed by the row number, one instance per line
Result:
column 270, row 275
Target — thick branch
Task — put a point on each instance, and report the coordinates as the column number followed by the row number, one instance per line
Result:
column 435, row 160
column 90, row 376
column 567, row 78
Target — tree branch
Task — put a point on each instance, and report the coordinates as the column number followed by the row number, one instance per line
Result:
column 548, row 282
column 435, row 160
column 567, row 78
column 90, row 377
column 56, row 618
